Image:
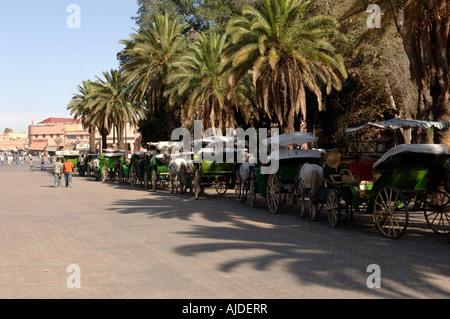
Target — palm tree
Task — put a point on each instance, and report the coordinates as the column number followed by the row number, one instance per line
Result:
column 77, row 107
column 80, row 108
column 58, row 142
column 288, row 52
column 199, row 81
column 109, row 104
column 424, row 29
column 147, row 56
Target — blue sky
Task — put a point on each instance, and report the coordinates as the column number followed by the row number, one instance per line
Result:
column 42, row 60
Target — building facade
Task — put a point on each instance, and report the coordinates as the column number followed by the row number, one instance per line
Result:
column 13, row 141
column 54, row 134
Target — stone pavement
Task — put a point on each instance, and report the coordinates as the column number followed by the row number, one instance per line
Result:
column 131, row 243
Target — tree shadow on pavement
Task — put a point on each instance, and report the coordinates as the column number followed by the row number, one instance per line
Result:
column 313, row 252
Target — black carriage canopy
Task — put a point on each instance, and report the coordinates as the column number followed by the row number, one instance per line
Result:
column 429, row 154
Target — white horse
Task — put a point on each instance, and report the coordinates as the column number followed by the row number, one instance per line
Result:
column 245, row 171
column 245, row 175
column 309, row 178
column 179, row 166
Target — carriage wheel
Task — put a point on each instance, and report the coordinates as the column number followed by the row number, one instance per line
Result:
column 196, row 184
column 221, row 188
column 238, row 185
column 390, row 212
column 153, row 180
column 252, row 192
column 437, row 212
column 104, row 174
column 333, row 208
column 273, row 193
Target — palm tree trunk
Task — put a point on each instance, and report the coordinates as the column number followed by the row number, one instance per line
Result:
column 91, row 138
column 104, row 132
column 120, row 136
column 288, row 123
column 426, row 44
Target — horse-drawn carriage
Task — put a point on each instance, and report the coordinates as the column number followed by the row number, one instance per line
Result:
column 136, row 170
column 160, row 156
column 407, row 178
column 216, row 168
column 109, row 165
column 91, row 162
column 285, row 181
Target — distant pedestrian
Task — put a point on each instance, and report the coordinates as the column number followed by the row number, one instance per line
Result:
column 31, row 164
column 57, row 172
column 68, row 170
column 2, row 158
column 42, row 164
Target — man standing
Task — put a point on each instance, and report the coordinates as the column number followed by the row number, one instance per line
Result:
column 57, row 172
column 68, row 169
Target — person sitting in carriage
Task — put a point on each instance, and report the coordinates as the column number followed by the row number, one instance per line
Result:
column 331, row 165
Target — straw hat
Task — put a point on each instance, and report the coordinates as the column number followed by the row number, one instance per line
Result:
column 333, row 159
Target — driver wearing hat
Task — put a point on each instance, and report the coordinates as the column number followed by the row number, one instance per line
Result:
column 332, row 160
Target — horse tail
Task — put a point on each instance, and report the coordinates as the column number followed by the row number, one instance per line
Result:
column 315, row 184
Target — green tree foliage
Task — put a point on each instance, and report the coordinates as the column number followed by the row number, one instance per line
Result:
column 198, row 14
column 148, row 54
column 78, row 109
column 199, row 79
column 109, row 104
column 289, row 51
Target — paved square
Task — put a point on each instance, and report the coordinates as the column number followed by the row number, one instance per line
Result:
column 132, row 243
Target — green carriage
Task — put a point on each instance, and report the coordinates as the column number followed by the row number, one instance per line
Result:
column 109, row 165
column 215, row 169
column 409, row 177
column 137, row 169
column 281, row 185
column 157, row 171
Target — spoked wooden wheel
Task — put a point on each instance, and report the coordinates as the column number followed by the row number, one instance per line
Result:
column 333, row 208
column 437, row 212
column 221, row 188
column 273, row 193
column 153, row 180
column 196, row 184
column 390, row 212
